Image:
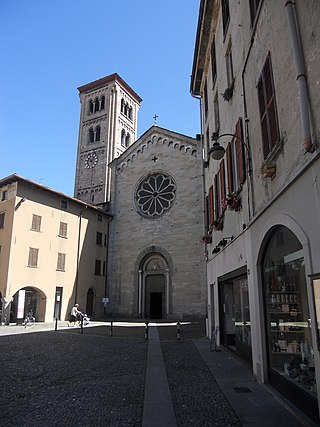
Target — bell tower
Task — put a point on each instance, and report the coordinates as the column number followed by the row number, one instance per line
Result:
column 108, row 125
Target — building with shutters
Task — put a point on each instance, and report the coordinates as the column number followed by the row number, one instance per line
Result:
column 255, row 72
column 52, row 253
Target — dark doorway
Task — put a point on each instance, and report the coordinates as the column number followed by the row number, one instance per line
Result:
column 57, row 303
column 156, row 305
column 89, row 305
column 155, row 296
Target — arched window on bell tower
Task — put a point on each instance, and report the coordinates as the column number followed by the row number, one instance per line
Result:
column 96, row 105
column 91, row 136
column 90, row 106
column 127, row 143
column 98, row 131
column 103, row 101
column 122, row 105
column 123, row 138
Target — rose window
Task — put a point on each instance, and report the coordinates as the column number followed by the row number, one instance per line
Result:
column 155, row 194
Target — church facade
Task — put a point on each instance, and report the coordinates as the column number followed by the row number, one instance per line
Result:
column 156, row 265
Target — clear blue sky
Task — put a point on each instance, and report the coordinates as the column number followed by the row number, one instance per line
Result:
column 51, row 47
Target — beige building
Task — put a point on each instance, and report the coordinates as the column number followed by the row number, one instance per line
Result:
column 108, row 125
column 52, row 252
column 256, row 68
column 156, row 256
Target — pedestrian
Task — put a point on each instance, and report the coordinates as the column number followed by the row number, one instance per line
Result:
column 74, row 313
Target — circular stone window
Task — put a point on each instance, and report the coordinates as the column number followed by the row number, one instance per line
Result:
column 155, row 195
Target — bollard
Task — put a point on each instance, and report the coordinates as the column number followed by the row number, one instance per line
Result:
column 178, row 330
column 146, row 333
column 81, row 324
column 56, row 325
column 111, row 329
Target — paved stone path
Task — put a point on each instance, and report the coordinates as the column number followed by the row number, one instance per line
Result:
column 67, row 378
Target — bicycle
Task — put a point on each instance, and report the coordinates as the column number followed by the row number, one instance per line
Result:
column 29, row 319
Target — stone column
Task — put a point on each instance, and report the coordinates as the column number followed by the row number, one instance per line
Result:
column 140, row 293
column 167, row 291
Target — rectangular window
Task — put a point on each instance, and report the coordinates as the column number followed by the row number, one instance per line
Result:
column 4, row 195
column 205, row 101
column 104, row 268
column 213, row 62
column 220, row 191
column 63, row 229
column 33, row 257
column 211, row 206
column 208, row 140
column 254, row 5
column 36, row 223
column 99, row 217
column 61, row 263
column 225, row 15
column 268, row 109
column 64, row 204
column 229, row 66
column 235, row 161
column 97, row 267
column 216, row 113
column 2, row 215
column 99, row 238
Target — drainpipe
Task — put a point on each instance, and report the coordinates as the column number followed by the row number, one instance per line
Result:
column 78, row 256
column 202, row 166
column 301, row 76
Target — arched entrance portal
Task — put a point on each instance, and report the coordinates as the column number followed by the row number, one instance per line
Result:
column 154, row 287
column 28, row 300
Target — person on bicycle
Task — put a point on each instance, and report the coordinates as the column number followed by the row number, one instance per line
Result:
column 74, row 314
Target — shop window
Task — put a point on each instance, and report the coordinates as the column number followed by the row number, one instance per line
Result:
column 235, row 316
column 290, row 352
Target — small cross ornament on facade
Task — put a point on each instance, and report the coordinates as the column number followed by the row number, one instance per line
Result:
column 155, row 119
column 154, row 159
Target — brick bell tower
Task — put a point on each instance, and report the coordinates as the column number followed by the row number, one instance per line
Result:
column 108, row 125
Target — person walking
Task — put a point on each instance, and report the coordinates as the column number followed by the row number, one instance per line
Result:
column 75, row 312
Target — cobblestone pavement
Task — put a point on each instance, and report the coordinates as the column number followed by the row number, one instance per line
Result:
column 71, row 379
column 196, row 397
column 68, row 378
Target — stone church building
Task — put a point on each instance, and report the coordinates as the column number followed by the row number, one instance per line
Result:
column 156, row 261
column 153, row 189
column 129, row 243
